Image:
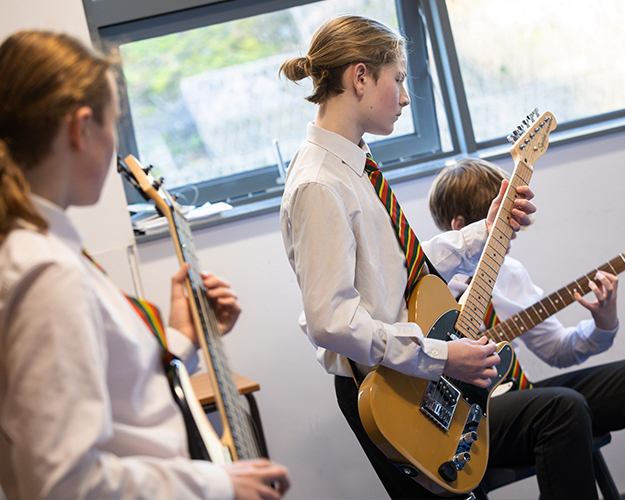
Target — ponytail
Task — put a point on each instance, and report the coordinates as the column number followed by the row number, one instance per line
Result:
column 15, row 201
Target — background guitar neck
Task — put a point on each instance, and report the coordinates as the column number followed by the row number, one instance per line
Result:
column 558, row 300
column 237, row 429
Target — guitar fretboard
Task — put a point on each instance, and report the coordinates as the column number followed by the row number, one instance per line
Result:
column 236, row 419
column 481, row 287
column 558, row 300
column 530, row 142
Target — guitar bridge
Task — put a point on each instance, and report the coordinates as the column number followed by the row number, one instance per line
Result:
column 440, row 401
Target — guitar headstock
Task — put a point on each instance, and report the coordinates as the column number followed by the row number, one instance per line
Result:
column 531, row 138
column 144, row 182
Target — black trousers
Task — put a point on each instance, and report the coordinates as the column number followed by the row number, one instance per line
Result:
column 550, row 426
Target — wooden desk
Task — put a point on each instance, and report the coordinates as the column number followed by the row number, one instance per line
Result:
column 205, row 393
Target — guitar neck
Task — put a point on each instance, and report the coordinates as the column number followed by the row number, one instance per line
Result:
column 236, row 424
column 521, row 322
column 530, row 141
column 481, row 287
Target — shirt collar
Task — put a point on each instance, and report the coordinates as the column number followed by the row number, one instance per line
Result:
column 352, row 155
column 59, row 223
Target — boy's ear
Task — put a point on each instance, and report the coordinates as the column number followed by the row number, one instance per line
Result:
column 457, row 223
column 359, row 76
column 80, row 123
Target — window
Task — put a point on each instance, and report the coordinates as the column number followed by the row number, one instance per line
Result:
column 556, row 55
column 204, row 104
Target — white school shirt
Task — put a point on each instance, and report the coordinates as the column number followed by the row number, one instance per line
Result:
column 350, row 267
column 550, row 340
column 85, row 407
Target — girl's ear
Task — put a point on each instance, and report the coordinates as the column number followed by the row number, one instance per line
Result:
column 80, row 123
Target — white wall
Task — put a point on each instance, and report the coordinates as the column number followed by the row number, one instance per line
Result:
column 579, row 192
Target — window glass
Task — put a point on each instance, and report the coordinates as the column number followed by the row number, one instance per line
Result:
column 208, row 103
column 559, row 56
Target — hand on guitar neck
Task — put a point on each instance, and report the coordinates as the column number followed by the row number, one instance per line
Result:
column 223, row 298
column 603, row 310
column 523, row 208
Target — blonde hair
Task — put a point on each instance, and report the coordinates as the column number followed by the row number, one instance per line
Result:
column 467, row 189
column 44, row 77
column 337, row 44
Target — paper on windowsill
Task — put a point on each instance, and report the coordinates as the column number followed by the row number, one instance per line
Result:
column 150, row 220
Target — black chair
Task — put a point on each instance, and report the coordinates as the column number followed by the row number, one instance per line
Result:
column 498, row 477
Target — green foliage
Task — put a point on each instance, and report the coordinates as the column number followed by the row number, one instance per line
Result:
column 154, row 67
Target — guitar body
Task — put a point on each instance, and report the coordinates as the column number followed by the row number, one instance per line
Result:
column 415, row 422
column 203, row 441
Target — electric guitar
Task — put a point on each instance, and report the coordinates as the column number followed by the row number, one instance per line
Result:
column 437, row 431
column 237, row 441
column 528, row 318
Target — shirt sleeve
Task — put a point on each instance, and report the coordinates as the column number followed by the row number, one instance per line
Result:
column 457, row 252
column 54, row 359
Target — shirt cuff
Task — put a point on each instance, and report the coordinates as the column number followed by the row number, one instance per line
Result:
column 600, row 336
column 432, row 360
column 218, row 483
column 475, row 236
column 181, row 346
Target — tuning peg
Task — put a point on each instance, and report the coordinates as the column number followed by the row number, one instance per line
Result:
column 158, row 183
column 511, row 138
column 148, row 168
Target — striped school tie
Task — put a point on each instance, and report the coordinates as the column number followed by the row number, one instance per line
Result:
column 415, row 258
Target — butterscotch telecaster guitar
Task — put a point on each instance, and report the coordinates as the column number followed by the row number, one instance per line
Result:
column 237, row 441
column 437, row 431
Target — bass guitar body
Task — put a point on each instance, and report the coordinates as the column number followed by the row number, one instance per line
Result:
column 435, row 431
